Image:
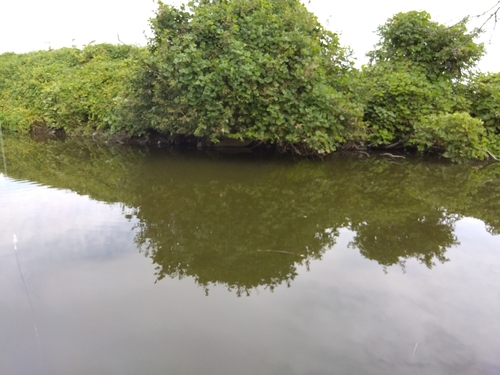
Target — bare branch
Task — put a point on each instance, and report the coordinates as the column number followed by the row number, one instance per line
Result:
column 491, row 13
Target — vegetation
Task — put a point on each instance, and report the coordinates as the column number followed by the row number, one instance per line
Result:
column 70, row 89
column 413, row 97
column 483, row 95
column 266, row 71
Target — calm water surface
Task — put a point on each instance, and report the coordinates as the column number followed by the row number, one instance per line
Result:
column 120, row 260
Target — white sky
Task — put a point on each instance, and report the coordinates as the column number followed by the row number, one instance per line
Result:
column 27, row 25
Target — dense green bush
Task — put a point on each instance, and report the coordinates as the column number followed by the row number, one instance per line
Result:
column 265, row 70
column 457, row 135
column 71, row 89
column 483, row 92
column 397, row 98
column 440, row 51
column 247, row 69
column 413, row 88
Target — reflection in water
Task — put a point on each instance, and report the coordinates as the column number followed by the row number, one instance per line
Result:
column 390, row 241
column 245, row 221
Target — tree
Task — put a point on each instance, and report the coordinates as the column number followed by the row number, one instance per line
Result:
column 440, row 51
column 483, row 93
column 264, row 70
column 415, row 85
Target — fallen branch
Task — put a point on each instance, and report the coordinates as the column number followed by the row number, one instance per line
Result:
column 493, row 156
column 393, row 156
column 489, row 153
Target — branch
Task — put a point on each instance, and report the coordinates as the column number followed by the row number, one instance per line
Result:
column 392, row 156
column 489, row 153
column 493, row 13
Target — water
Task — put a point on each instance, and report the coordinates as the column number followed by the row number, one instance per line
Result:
column 144, row 261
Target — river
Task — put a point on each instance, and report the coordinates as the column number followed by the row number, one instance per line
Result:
column 129, row 260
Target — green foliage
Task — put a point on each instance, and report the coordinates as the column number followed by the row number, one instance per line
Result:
column 441, row 51
column 71, row 89
column 458, row 134
column 265, row 70
column 397, row 98
column 413, row 90
column 483, row 93
column 248, row 69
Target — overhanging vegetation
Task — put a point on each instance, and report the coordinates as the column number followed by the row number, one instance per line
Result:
column 267, row 71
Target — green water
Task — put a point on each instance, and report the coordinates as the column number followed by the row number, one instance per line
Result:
column 147, row 261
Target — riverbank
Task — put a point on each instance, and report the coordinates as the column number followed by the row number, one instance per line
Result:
column 270, row 99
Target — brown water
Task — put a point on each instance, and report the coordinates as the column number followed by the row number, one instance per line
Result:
column 137, row 261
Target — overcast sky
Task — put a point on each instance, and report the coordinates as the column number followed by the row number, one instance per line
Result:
column 27, row 25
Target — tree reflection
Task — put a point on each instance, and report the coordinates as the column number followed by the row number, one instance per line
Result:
column 247, row 223
column 222, row 231
column 425, row 238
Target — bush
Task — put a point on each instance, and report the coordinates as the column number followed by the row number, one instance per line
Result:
column 458, row 135
column 441, row 51
column 264, row 70
column 71, row 89
column 416, row 73
column 483, row 93
column 397, row 97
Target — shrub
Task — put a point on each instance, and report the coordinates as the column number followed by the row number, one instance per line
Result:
column 247, row 69
column 416, row 72
column 441, row 51
column 397, row 97
column 483, row 93
column 458, row 135
column 71, row 89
